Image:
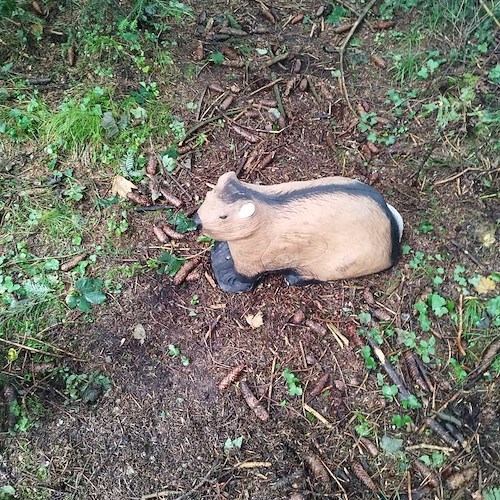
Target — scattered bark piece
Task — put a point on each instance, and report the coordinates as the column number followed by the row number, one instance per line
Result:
column 253, row 402
column 330, row 141
column 267, row 13
column 235, row 89
column 37, row 8
column 170, row 198
column 460, row 478
column 71, row 264
column 296, row 66
column 266, row 161
column 152, row 166
column 488, row 358
column 428, row 476
column 369, row 446
column 318, row 470
column 199, row 51
column 231, row 377
column 316, row 327
column 360, row 109
column 373, row 149
column 381, row 314
column 245, row 134
column 354, row 337
column 378, row 61
column 185, row 269
column 325, row 92
column 297, row 19
column 214, row 86
column 160, row 234
column 192, row 277
column 10, row 396
column 230, row 52
column 413, row 370
column 368, row 296
column 43, row 367
column 138, row 198
column 441, row 432
column 298, row 317
column 384, row 25
column 71, row 56
column 342, row 28
column 363, row 476
column 233, row 63
column 228, row 30
column 170, row 231
column 303, row 84
column 320, row 385
column 226, row 102
column 268, row 103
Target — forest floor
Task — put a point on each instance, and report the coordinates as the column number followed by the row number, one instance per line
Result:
column 112, row 375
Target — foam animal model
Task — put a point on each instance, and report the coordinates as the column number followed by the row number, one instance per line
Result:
column 311, row 231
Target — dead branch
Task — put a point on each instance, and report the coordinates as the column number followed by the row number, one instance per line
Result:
column 441, row 432
column 488, row 358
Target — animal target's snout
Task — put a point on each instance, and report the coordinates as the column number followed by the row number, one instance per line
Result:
column 197, row 221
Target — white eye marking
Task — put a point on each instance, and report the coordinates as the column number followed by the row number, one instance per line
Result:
column 247, row 210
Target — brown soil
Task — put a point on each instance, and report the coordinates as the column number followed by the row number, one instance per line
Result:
column 162, row 427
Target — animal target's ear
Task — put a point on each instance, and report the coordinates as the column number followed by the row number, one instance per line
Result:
column 246, row 210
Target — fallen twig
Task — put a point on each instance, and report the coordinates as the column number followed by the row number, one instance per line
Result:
column 196, row 127
column 403, row 392
column 471, row 257
column 343, row 47
column 441, row 432
column 71, row 264
column 318, row 415
column 460, row 347
column 488, row 358
column 277, row 96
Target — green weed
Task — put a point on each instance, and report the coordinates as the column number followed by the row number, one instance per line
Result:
column 293, row 383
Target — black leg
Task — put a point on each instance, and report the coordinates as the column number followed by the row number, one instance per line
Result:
column 226, row 275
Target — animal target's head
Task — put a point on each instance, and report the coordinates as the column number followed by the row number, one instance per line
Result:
column 228, row 213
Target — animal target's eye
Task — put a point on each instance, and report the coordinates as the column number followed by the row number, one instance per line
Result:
column 222, row 216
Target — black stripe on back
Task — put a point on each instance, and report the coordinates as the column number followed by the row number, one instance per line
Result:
column 234, row 190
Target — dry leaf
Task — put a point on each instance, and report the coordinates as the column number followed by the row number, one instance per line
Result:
column 255, row 321
column 489, row 238
column 122, row 186
column 485, row 285
column 139, row 333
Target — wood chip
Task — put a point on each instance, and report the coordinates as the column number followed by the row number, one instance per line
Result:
column 316, row 327
column 303, row 84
